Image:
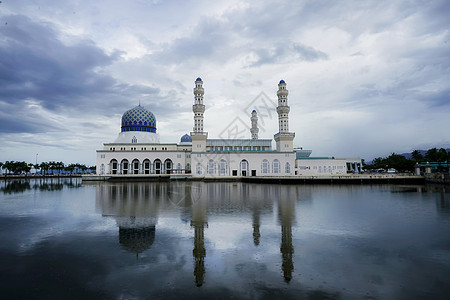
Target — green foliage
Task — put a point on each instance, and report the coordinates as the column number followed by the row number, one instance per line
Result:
column 395, row 161
column 401, row 163
column 52, row 167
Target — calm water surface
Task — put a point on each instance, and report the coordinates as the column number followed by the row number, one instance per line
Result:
column 63, row 239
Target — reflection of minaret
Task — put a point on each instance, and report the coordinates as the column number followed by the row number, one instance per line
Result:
column 256, row 233
column 199, row 252
column 286, row 215
column 199, row 222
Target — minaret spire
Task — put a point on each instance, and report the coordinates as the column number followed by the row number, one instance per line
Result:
column 254, row 130
column 198, row 136
column 283, row 138
column 198, row 108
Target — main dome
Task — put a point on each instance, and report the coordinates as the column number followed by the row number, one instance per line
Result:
column 138, row 119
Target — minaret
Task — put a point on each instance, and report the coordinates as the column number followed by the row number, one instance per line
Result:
column 198, row 136
column 198, row 108
column 254, row 130
column 283, row 138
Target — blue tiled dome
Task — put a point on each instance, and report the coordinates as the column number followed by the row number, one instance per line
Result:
column 198, row 79
column 282, row 81
column 186, row 138
column 138, row 119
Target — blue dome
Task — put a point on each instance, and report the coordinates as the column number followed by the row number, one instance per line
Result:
column 282, row 81
column 198, row 79
column 138, row 119
column 186, row 138
column 254, row 111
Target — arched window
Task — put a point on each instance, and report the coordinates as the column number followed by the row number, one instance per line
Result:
column 211, row 167
column 265, row 166
column 288, row 168
column 134, row 140
column 276, row 166
column 199, row 169
column 223, row 167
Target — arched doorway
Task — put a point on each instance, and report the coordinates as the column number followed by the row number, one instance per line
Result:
column 135, row 166
column 146, row 166
column 244, row 167
column 124, row 165
column 157, row 164
column 113, row 166
column 168, row 166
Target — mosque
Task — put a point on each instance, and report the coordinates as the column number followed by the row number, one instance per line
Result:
column 138, row 151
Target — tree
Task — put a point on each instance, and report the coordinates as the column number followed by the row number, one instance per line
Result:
column 44, row 167
column 432, row 155
column 442, row 155
column 416, row 155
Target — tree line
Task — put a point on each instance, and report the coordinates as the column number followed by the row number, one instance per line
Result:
column 402, row 164
column 45, row 168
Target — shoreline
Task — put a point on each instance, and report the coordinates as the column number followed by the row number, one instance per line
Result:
column 298, row 179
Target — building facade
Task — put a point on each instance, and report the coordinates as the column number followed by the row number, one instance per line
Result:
column 137, row 150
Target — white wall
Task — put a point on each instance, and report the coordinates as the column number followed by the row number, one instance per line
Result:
column 233, row 162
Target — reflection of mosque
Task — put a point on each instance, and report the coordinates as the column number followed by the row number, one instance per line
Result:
column 135, row 208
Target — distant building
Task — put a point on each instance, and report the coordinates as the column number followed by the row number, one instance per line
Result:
column 137, row 149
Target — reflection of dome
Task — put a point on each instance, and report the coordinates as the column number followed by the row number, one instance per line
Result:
column 136, row 240
column 186, row 139
column 138, row 119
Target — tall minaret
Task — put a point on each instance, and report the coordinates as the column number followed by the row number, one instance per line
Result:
column 283, row 138
column 198, row 136
column 198, row 108
column 254, row 130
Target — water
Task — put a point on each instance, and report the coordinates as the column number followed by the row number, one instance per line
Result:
column 67, row 240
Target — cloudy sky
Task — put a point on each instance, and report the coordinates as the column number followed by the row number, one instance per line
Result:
column 365, row 78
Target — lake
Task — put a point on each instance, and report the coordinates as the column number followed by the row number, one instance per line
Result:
column 64, row 239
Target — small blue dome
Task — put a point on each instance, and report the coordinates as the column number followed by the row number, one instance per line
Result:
column 186, row 138
column 138, row 119
column 282, row 81
column 254, row 111
column 198, row 79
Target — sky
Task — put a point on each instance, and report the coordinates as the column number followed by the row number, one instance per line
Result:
column 365, row 78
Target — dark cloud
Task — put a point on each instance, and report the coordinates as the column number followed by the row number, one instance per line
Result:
column 37, row 65
column 289, row 53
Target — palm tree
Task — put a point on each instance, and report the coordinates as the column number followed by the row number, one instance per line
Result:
column 44, row 167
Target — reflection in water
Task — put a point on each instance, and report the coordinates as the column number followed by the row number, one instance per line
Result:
column 199, row 222
column 286, row 217
column 135, row 207
column 42, row 184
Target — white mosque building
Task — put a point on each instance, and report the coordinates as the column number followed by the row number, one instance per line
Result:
column 137, row 151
